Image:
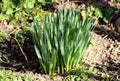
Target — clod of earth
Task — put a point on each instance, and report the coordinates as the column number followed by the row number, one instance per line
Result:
column 117, row 25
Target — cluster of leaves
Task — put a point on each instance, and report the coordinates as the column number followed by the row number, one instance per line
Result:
column 103, row 12
column 2, row 36
column 21, row 11
column 7, row 75
column 88, row 73
column 61, row 40
column 82, row 74
column 24, row 37
column 3, row 57
column 118, row 1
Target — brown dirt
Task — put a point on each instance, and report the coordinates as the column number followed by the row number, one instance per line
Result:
column 105, row 55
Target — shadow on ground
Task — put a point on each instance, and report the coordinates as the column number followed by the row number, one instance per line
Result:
column 16, row 60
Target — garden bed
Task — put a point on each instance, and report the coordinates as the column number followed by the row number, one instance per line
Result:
column 103, row 52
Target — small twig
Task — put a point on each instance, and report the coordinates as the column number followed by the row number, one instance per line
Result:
column 21, row 49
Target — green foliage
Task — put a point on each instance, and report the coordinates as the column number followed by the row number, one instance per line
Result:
column 86, row 73
column 61, row 40
column 29, row 4
column 3, row 57
column 24, row 37
column 81, row 74
column 103, row 12
column 3, row 34
column 20, row 11
column 118, row 1
column 2, row 40
column 6, row 75
column 2, row 16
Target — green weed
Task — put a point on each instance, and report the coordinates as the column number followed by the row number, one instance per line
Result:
column 81, row 74
column 61, row 40
column 103, row 12
column 7, row 75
